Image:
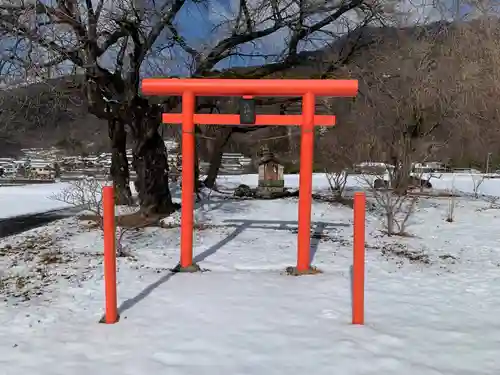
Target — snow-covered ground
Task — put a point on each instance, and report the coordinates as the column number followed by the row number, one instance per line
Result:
column 431, row 298
column 29, row 199
column 34, row 199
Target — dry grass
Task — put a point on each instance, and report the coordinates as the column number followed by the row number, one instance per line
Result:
column 400, row 251
column 433, row 194
column 32, row 264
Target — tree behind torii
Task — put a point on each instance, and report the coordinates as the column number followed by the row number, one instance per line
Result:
column 117, row 43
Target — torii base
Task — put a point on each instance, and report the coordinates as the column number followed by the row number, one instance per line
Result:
column 189, row 269
column 293, row 271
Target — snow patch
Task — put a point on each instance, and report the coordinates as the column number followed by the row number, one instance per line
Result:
column 429, row 296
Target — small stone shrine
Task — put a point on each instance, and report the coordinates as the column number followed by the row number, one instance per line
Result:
column 271, row 180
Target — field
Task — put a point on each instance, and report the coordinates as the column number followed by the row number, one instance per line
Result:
column 431, row 296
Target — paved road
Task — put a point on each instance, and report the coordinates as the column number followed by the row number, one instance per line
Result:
column 19, row 224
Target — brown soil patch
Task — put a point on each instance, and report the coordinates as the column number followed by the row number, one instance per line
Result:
column 135, row 220
column 292, row 271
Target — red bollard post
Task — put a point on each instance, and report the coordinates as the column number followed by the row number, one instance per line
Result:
column 108, row 196
column 358, row 268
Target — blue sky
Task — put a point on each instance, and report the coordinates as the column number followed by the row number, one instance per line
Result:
column 197, row 24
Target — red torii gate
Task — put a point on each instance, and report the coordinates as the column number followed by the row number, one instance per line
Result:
column 248, row 88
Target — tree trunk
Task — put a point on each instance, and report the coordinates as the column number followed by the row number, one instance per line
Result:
column 197, row 182
column 119, row 164
column 150, row 161
column 216, row 157
column 390, row 221
column 200, row 150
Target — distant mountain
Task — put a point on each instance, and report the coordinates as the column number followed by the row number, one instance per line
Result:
column 48, row 113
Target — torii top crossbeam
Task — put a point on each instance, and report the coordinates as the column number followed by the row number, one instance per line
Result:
column 255, row 87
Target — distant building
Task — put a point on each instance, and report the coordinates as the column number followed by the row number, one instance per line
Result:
column 371, row 167
column 42, row 170
column 7, row 167
column 429, row 167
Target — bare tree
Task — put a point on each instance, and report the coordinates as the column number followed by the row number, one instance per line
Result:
column 114, row 44
column 338, row 150
column 450, row 217
column 337, row 182
column 420, row 100
column 477, row 181
column 414, row 97
column 86, row 194
column 336, row 52
column 396, row 210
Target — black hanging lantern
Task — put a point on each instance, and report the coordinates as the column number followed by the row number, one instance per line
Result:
column 247, row 110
